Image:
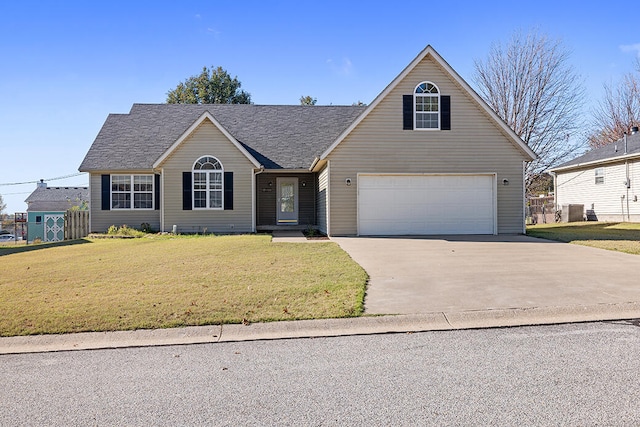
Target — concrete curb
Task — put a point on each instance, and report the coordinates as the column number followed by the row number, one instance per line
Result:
column 438, row 321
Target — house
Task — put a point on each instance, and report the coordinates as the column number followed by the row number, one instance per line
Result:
column 604, row 181
column 46, row 207
column 427, row 156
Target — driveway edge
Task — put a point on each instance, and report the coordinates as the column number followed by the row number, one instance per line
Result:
column 406, row 323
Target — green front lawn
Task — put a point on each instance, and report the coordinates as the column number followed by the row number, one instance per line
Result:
column 622, row 237
column 163, row 281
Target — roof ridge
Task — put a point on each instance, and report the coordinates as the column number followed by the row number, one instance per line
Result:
column 145, row 104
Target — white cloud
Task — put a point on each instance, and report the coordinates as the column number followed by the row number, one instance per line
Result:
column 345, row 67
column 631, row 48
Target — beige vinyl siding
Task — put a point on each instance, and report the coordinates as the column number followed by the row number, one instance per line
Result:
column 379, row 145
column 609, row 199
column 322, row 200
column 101, row 220
column 207, row 140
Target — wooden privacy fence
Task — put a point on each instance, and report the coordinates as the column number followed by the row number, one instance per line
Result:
column 76, row 224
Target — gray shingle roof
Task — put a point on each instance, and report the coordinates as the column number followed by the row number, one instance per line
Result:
column 278, row 136
column 609, row 151
column 56, row 199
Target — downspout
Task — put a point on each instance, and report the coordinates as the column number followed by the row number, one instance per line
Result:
column 524, row 202
column 161, row 201
column 328, row 208
column 627, row 183
column 254, row 197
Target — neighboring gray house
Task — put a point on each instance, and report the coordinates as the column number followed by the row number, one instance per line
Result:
column 427, row 156
column 46, row 207
column 604, row 180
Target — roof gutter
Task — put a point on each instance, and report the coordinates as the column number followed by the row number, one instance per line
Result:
column 315, row 162
column 595, row 162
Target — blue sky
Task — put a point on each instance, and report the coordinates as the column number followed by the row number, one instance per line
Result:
column 65, row 65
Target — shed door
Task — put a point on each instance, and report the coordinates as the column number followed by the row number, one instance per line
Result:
column 53, row 228
column 426, row 204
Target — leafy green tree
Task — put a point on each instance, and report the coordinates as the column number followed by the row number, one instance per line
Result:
column 213, row 86
column 307, row 100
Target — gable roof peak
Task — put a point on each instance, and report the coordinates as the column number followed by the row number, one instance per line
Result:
column 430, row 51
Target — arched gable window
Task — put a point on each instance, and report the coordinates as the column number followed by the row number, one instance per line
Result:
column 208, row 183
column 427, row 106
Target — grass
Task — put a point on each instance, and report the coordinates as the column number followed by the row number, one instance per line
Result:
column 163, row 281
column 621, row 237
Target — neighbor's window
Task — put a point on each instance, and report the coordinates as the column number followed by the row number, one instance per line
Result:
column 208, row 175
column 427, row 106
column 599, row 175
column 131, row 191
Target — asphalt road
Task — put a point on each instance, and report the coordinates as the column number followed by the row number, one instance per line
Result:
column 579, row 374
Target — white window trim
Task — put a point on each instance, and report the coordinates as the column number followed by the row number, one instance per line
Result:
column 132, row 192
column 207, row 190
column 416, row 95
column 599, row 175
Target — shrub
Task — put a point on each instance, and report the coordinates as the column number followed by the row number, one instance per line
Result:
column 124, row 230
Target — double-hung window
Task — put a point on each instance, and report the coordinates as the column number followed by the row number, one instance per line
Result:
column 208, row 186
column 599, row 175
column 427, row 106
column 132, row 191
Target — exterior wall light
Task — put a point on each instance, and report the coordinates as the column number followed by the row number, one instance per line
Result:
column 505, row 182
column 347, row 181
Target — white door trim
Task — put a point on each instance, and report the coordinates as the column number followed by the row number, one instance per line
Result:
column 284, row 218
column 55, row 228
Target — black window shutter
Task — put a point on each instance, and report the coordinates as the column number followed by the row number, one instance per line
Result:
column 156, row 195
column 106, row 192
column 186, row 191
column 407, row 112
column 228, row 191
column 445, row 113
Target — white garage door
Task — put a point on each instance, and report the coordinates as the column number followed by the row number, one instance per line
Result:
column 426, row 204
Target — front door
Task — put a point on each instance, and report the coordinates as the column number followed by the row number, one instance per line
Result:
column 287, row 200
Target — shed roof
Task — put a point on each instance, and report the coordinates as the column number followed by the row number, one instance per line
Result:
column 277, row 136
column 56, row 199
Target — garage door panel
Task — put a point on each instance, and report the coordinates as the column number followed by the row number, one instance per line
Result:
column 426, row 204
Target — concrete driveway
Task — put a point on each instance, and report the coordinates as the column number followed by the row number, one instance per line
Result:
column 466, row 273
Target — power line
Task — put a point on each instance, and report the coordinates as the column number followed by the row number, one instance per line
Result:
column 13, row 194
column 48, row 179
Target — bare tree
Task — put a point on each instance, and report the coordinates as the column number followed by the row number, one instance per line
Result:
column 530, row 84
column 618, row 111
column 3, row 205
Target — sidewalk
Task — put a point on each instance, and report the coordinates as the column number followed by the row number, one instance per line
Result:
column 437, row 321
